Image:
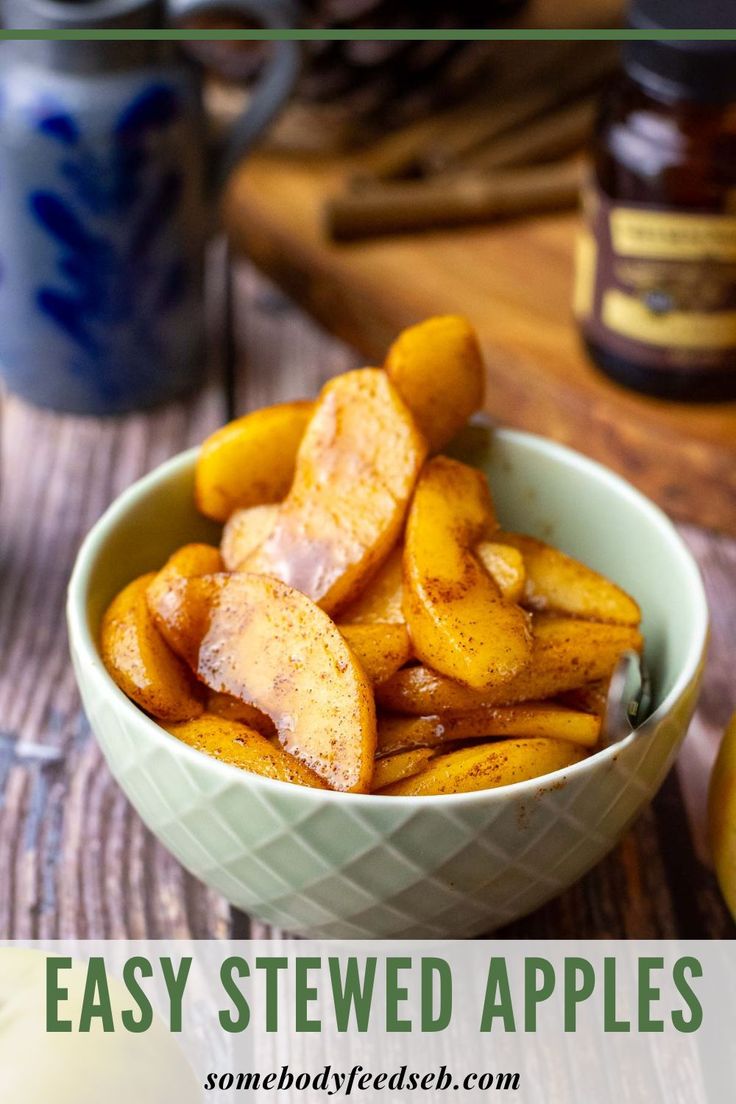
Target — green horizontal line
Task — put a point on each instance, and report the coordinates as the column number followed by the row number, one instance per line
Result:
column 426, row 34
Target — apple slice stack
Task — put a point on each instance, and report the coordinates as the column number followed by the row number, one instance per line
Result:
column 366, row 625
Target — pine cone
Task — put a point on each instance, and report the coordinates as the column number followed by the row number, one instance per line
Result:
column 408, row 76
column 358, row 89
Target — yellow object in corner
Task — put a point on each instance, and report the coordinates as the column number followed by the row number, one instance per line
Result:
column 722, row 816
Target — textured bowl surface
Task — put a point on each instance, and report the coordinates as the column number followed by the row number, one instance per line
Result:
column 339, row 865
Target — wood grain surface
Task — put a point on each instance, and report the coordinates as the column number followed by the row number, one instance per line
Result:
column 514, row 280
column 75, row 860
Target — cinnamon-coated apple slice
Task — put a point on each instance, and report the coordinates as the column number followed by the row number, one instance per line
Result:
column 267, row 644
column 355, row 473
column 437, row 368
column 557, row 583
column 243, row 747
column 140, row 660
column 459, row 622
column 251, row 460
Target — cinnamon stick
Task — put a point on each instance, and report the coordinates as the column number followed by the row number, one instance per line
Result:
column 521, row 86
column 554, row 135
column 465, row 198
column 558, row 87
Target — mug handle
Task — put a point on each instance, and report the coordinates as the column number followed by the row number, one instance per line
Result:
column 277, row 81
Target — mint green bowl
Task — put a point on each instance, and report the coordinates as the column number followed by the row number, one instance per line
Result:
column 348, row 865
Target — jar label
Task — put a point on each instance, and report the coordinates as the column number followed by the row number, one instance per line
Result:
column 658, row 287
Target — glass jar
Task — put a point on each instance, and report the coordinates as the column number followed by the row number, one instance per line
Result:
column 656, row 278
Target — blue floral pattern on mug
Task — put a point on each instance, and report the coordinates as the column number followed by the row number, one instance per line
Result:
column 108, row 218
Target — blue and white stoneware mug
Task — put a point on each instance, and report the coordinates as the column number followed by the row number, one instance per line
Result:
column 103, row 206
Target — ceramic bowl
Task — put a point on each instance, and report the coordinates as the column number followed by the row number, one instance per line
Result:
column 345, row 865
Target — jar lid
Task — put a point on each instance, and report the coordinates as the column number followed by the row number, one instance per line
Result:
column 703, row 70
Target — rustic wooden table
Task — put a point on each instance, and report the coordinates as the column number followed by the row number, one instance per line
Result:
column 75, row 860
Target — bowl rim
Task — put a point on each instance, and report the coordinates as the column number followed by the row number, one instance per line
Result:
column 83, row 642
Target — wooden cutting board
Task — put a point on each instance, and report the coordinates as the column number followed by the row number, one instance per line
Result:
column 514, row 281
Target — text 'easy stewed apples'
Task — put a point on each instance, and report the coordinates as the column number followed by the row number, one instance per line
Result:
column 355, row 473
column 270, row 646
column 459, row 622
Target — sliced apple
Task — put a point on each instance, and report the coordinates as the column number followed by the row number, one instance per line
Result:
column 437, row 368
column 251, row 460
column 244, row 532
column 394, row 768
column 506, row 565
column 233, row 709
column 566, row 654
column 189, row 561
column 558, row 583
column 258, row 640
column 530, row 719
column 381, row 649
column 487, row 767
column 722, row 816
column 382, row 599
column 356, row 470
column 177, row 623
column 243, row 747
column 459, row 622
column 141, row 662
column 592, row 698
